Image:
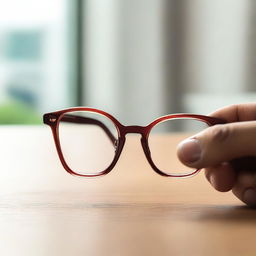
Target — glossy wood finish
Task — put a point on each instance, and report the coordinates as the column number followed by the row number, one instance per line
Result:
column 131, row 211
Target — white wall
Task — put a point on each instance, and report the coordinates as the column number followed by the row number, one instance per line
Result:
column 102, row 51
column 216, row 59
column 123, row 71
column 126, row 51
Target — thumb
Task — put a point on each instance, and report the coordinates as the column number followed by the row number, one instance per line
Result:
column 217, row 144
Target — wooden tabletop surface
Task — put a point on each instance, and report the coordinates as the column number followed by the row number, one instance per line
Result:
column 131, row 211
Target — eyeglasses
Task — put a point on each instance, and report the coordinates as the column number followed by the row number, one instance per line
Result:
column 89, row 141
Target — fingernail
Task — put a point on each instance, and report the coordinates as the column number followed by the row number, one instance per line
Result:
column 189, row 150
column 249, row 196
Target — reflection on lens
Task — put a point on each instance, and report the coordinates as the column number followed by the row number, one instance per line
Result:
column 164, row 139
column 88, row 141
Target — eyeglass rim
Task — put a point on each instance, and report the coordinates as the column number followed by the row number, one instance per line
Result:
column 53, row 119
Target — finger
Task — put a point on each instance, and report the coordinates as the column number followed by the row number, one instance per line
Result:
column 218, row 144
column 237, row 113
column 221, row 177
column 245, row 187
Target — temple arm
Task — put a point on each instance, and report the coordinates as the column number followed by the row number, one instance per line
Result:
column 87, row 120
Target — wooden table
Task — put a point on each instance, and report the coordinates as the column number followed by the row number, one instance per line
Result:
column 131, row 211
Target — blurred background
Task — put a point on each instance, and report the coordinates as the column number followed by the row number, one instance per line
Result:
column 137, row 59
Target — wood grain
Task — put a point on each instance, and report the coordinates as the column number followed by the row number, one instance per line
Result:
column 131, row 211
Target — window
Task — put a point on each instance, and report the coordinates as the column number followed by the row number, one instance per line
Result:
column 36, row 61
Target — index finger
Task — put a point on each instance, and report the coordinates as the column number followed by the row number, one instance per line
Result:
column 237, row 112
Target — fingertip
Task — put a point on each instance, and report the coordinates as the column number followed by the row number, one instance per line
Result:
column 189, row 152
column 245, row 187
column 221, row 177
column 249, row 197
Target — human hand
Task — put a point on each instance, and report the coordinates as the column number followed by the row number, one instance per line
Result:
column 227, row 152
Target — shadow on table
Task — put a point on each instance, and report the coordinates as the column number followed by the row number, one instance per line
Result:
column 227, row 213
column 122, row 210
column 200, row 212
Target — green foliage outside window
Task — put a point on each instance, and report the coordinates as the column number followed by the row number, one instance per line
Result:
column 18, row 113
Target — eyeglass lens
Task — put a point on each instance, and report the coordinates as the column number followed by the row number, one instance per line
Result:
column 164, row 139
column 88, row 141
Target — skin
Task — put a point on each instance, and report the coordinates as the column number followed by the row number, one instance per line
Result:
column 220, row 144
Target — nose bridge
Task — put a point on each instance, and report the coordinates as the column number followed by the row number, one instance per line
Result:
column 134, row 129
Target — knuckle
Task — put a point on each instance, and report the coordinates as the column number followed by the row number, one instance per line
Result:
column 220, row 133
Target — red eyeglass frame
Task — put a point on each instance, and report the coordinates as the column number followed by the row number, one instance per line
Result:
column 53, row 119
